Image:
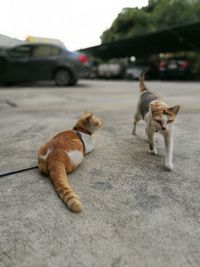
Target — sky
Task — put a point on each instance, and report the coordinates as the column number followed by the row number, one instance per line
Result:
column 77, row 23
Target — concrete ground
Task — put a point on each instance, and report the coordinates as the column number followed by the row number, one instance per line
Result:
column 136, row 213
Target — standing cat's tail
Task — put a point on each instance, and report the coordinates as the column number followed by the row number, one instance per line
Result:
column 142, row 84
column 59, row 179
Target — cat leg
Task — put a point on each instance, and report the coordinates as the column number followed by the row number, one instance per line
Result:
column 152, row 142
column 42, row 156
column 136, row 119
column 169, row 150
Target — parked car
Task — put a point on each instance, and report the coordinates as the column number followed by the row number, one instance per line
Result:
column 175, row 68
column 41, row 62
column 133, row 72
column 111, row 70
column 86, row 62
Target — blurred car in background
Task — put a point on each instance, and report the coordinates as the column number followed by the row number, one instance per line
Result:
column 111, row 70
column 175, row 68
column 133, row 72
column 41, row 62
column 85, row 60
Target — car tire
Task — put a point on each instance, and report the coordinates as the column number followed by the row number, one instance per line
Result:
column 9, row 84
column 62, row 77
column 73, row 81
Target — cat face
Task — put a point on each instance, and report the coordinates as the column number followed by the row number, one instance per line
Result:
column 90, row 122
column 163, row 117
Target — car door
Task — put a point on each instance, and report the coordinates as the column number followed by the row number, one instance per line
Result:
column 17, row 66
column 3, row 61
column 43, row 61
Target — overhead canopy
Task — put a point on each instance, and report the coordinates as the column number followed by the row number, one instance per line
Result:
column 182, row 38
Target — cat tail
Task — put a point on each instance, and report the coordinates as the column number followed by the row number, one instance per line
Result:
column 59, row 179
column 142, row 84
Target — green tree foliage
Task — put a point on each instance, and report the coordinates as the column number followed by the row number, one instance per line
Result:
column 130, row 21
column 157, row 16
column 173, row 12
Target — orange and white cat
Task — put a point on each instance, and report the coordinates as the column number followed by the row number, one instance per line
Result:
column 64, row 153
column 159, row 117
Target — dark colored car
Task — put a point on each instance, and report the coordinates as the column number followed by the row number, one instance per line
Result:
column 41, row 62
column 175, row 68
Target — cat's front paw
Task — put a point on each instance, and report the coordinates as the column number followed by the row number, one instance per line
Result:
column 153, row 151
column 169, row 166
column 134, row 131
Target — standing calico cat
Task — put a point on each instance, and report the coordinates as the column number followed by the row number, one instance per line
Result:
column 159, row 117
column 64, row 152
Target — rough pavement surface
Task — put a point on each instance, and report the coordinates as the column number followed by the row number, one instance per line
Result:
column 136, row 213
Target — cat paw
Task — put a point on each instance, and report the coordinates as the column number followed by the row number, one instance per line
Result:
column 133, row 132
column 169, row 166
column 153, row 151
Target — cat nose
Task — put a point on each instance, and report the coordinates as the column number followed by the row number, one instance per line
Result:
column 164, row 127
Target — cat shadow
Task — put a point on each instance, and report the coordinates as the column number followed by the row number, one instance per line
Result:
column 140, row 138
column 156, row 159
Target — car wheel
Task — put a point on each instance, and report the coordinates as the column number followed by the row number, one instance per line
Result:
column 62, row 77
column 73, row 81
column 9, row 84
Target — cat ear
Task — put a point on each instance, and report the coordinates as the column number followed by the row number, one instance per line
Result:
column 85, row 114
column 174, row 109
column 152, row 108
column 89, row 117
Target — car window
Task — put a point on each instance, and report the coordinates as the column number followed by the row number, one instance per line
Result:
column 20, row 52
column 44, row 51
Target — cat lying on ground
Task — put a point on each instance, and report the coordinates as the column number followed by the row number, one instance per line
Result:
column 159, row 117
column 64, row 153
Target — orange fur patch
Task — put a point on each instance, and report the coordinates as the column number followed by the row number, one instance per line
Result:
column 159, row 108
column 56, row 158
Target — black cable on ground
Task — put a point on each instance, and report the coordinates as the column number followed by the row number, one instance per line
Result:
column 18, row 171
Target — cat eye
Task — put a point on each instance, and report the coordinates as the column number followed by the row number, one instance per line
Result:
column 170, row 121
column 158, row 121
